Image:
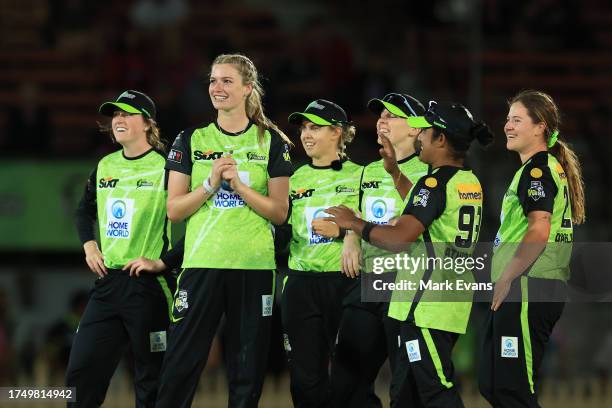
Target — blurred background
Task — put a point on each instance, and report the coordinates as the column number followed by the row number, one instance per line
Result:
column 60, row 59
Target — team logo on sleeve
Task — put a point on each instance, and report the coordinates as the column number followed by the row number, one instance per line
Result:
column 421, row 199
column 286, row 156
column 536, row 191
column 175, row 156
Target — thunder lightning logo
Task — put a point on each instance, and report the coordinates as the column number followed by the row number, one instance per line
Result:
column 180, row 303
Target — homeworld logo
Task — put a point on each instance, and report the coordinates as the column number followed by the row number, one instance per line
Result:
column 108, row 182
column 379, row 209
column 118, row 209
column 207, row 155
column 301, row 193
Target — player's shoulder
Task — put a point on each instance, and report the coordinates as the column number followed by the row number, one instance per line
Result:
column 302, row 169
column 439, row 178
column 109, row 158
column 352, row 166
column 538, row 166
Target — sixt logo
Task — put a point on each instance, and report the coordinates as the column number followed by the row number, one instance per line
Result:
column 256, row 157
column 344, row 189
column 143, row 183
column 301, row 193
column 369, row 184
column 108, row 182
column 207, row 155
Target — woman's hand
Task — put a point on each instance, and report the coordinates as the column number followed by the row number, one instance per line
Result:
column 343, row 216
column 387, row 152
column 351, row 255
column 502, row 288
column 231, row 175
column 220, row 166
column 94, row 258
column 143, row 264
column 325, row 227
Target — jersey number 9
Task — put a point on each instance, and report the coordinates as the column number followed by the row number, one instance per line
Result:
column 469, row 224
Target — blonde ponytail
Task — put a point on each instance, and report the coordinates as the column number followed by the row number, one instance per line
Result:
column 571, row 165
column 346, row 137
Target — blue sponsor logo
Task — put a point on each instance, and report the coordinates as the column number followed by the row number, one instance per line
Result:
column 118, row 209
column 379, row 208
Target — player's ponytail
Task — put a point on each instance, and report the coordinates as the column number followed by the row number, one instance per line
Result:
column 154, row 136
column 481, row 132
column 571, row 165
column 346, row 137
column 542, row 109
column 254, row 105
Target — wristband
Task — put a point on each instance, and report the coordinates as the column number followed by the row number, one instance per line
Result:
column 207, row 186
column 342, row 233
column 365, row 233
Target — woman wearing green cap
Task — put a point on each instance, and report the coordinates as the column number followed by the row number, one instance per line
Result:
column 441, row 220
column 126, row 194
column 229, row 179
column 367, row 336
column 311, row 301
column 531, row 253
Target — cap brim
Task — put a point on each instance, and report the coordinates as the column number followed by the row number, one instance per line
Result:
column 109, row 108
column 377, row 106
column 418, row 122
column 297, row 117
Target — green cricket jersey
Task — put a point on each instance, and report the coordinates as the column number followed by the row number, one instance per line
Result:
column 448, row 203
column 380, row 201
column 131, row 207
column 539, row 185
column 225, row 233
column 312, row 190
